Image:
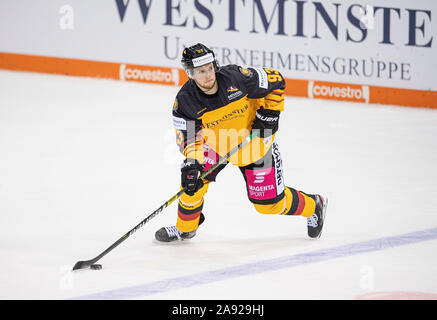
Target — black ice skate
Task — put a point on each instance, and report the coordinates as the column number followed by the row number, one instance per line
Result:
column 170, row 234
column 315, row 222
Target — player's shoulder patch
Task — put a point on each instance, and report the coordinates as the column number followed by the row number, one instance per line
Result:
column 262, row 78
column 246, row 72
column 179, row 123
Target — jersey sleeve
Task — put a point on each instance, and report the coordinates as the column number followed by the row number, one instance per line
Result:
column 265, row 83
column 188, row 136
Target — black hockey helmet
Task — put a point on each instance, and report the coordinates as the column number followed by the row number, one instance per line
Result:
column 196, row 56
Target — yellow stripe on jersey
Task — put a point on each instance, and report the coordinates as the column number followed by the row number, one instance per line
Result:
column 275, row 100
column 195, row 151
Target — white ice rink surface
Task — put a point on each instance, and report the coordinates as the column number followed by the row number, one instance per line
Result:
column 82, row 161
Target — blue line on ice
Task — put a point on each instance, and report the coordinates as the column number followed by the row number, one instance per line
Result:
column 150, row 288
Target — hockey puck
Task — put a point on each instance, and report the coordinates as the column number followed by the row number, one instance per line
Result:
column 96, row 266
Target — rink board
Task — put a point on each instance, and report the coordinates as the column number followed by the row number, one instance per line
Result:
column 177, row 77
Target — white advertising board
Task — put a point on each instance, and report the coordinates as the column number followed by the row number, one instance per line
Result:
column 390, row 43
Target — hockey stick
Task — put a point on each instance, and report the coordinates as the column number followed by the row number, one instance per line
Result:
column 91, row 263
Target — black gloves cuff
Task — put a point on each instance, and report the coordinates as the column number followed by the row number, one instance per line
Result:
column 266, row 121
column 190, row 176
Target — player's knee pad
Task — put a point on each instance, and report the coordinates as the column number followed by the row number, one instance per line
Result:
column 281, row 206
column 276, row 208
column 191, row 201
column 190, row 209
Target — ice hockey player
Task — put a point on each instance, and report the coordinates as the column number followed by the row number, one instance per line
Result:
column 215, row 110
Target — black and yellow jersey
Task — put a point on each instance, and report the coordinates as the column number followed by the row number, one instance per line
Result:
column 224, row 119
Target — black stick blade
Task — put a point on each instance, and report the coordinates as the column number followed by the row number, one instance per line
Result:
column 82, row 265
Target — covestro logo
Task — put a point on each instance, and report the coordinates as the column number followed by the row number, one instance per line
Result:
column 148, row 74
column 338, row 91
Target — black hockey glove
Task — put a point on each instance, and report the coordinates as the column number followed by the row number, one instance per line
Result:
column 266, row 121
column 190, row 172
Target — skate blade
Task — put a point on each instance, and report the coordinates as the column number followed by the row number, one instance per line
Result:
column 183, row 242
column 324, row 208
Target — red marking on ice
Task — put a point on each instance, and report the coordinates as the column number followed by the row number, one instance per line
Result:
column 397, row 295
